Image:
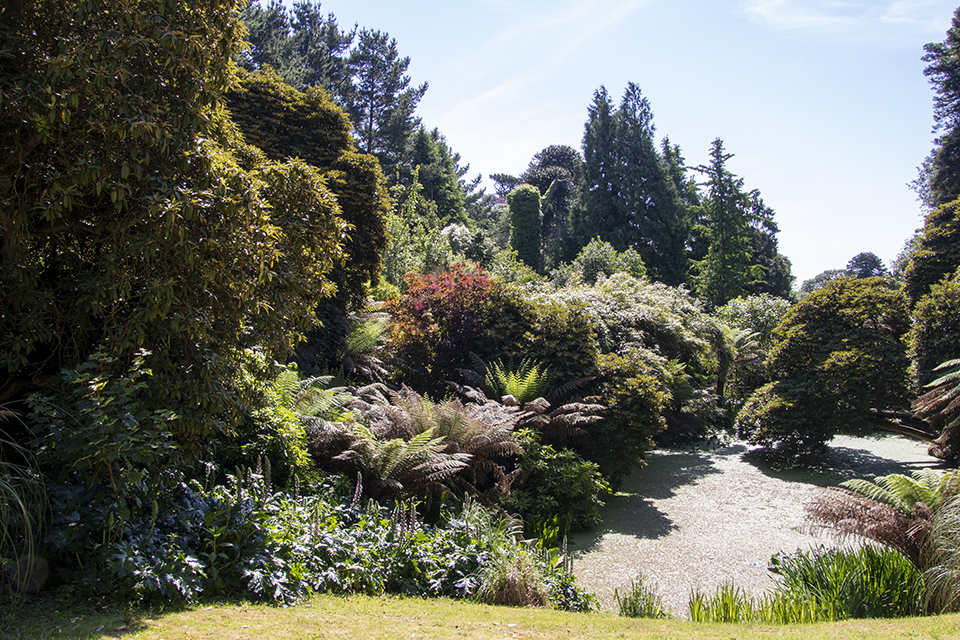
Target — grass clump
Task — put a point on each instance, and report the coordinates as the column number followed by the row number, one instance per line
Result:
column 641, row 600
column 822, row 585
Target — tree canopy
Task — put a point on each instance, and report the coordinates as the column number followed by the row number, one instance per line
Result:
column 629, row 200
column 826, row 346
column 135, row 217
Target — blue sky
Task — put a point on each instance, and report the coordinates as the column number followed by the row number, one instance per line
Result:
column 824, row 103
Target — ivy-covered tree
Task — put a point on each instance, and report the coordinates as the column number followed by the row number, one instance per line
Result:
column 525, row 224
column 825, row 347
column 557, row 171
column 134, row 216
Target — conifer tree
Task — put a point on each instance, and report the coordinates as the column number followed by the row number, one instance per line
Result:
column 629, row 200
column 725, row 272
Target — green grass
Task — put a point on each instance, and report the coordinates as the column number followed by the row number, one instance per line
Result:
column 385, row 617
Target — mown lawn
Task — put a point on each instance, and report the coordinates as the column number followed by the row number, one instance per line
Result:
column 388, row 617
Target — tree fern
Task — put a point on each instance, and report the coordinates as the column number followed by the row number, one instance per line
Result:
column 894, row 510
column 904, row 493
column 418, row 466
column 941, row 408
column 484, row 433
column 364, row 341
column 309, row 397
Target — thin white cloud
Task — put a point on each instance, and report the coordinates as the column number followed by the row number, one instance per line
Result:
column 542, row 39
column 889, row 20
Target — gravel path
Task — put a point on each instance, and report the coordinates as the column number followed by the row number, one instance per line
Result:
column 701, row 518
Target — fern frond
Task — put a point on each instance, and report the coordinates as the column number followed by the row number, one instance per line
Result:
column 526, row 383
column 568, row 388
column 899, row 491
column 367, row 336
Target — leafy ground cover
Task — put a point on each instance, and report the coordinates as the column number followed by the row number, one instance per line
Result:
column 387, row 617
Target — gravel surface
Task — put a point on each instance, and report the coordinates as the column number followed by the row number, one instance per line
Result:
column 697, row 519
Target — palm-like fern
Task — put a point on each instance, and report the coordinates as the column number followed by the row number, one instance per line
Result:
column 747, row 357
column 484, row 433
column 894, row 510
column 364, row 341
column 309, row 397
column 941, row 407
column 389, row 467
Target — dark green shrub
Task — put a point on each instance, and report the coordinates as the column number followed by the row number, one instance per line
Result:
column 936, row 253
column 637, row 399
column 557, row 491
column 101, row 427
column 826, row 346
column 935, row 331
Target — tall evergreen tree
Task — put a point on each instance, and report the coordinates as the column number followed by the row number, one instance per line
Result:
column 647, row 197
column 725, row 272
column 676, row 167
column 941, row 172
column 306, row 48
column 629, row 198
column 438, row 173
column 598, row 215
column 380, row 100
column 322, row 47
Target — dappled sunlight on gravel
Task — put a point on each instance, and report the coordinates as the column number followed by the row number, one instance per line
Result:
column 697, row 519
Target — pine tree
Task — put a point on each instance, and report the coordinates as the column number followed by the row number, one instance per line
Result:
column 380, row 100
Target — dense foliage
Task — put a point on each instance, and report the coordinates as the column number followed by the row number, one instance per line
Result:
column 437, row 323
column 827, row 344
column 135, row 217
column 525, row 222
